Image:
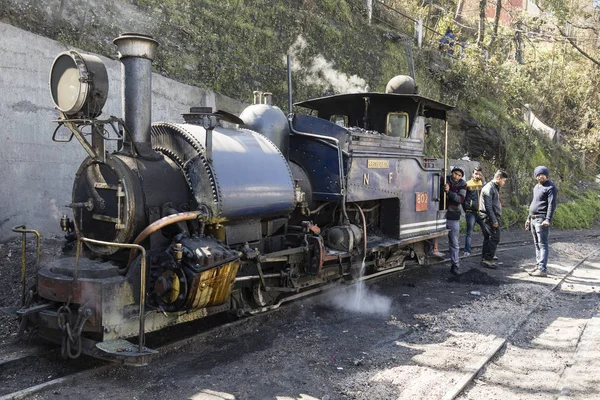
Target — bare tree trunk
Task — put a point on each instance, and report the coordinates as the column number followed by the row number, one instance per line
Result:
column 459, row 7
column 496, row 22
column 481, row 32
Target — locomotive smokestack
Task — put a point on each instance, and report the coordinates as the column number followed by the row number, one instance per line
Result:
column 136, row 52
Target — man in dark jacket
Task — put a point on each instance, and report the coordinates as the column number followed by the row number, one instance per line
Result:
column 471, row 206
column 541, row 211
column 455, row 189
column 490, row 211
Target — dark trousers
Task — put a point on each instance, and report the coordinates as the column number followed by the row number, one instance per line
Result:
column 491, row 238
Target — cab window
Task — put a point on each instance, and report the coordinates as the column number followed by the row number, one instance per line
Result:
column 339, row 120
column 397, row 124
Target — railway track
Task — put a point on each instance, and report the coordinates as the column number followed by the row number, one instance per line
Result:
column 74, row 370
column 499, row 343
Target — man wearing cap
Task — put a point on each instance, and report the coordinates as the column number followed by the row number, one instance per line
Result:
column 541, row 211
column 490, row 212
column 455, row 189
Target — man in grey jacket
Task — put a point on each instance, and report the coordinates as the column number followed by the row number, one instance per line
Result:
column 490, row 211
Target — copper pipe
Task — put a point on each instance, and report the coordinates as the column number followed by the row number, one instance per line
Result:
column 159, row 224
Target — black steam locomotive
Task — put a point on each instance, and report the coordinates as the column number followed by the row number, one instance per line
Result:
column 225, row 213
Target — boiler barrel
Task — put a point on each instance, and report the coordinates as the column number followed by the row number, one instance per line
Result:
column 247, row 178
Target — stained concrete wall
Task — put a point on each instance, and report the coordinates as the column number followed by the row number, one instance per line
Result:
column 36, row 174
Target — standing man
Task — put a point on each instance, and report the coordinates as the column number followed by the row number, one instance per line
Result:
column 471, row 206
column 456, row 189
column 541, row 210
column 490, row 211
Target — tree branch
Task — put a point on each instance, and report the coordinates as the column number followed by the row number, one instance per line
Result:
column 579, row 49
column 570, row 40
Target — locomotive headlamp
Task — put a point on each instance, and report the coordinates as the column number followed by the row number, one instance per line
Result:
column 78, row 84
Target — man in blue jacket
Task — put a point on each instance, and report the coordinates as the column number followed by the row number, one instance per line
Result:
column 455, row 189
column 490, row 211
column 541, row 211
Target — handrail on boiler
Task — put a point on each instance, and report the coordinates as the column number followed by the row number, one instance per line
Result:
column 337, row 144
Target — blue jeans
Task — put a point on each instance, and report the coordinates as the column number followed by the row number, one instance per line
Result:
column 454, row 227
column 471, row 218
column 540, row 238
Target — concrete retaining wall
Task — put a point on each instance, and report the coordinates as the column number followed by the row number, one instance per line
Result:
column 36, row 174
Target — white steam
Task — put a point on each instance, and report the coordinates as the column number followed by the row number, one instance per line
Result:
column 319, row 71
column 361, row 300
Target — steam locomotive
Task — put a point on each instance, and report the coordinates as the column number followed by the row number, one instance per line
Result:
column 224, row 213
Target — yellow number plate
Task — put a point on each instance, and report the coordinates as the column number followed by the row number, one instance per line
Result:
column 378, row 163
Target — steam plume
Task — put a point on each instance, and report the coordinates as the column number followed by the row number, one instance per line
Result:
column 319, row 71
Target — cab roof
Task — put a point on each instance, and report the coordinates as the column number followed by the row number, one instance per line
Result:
column 342, row 103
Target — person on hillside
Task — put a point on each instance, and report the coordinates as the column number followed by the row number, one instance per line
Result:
column 490, row 212
column 471, row 206
column 541, row 211
column 447, row 42
column 455, row 190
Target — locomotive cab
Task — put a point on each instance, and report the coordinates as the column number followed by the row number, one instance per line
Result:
column 382, row 140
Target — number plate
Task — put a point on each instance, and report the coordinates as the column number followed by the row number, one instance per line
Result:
column 378, row 163
column 422, row 201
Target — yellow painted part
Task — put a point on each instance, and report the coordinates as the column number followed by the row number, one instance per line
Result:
column 213, row 287
column 175, row 289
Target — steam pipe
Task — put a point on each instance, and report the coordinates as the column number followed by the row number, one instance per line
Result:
column 364, row 221
column 159, row 224
column 136, row 52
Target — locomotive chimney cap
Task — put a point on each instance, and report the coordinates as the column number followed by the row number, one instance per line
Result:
column 136, row 45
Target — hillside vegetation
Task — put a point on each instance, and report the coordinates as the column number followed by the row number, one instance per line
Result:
column 237, row 46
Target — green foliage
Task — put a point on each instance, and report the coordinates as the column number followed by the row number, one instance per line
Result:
column 513, row 216
column 581, row 212
column 237, row 46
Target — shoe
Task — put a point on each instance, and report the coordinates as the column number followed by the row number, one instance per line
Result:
column 538, row 272
column 454, row 269
column 466, row 254
column 495, row 257
column 531, row 269
column 488, row 264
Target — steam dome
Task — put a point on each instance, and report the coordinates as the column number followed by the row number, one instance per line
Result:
column 401, row 84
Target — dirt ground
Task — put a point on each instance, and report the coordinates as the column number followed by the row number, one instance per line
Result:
column 413, row 337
